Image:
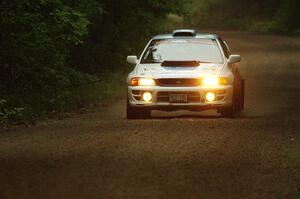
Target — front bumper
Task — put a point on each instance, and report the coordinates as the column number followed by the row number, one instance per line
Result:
column 196, row 99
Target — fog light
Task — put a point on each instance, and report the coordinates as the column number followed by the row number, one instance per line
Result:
column 210, row 96
column 147, row 96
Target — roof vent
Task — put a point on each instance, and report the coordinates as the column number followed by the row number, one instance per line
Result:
column 184, row 33
column 180, row 63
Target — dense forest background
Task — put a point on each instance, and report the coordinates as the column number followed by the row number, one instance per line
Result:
column 60, row 55
column 267, row 16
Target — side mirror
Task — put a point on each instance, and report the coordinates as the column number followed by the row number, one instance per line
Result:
column 132, row 59
column 234, row 59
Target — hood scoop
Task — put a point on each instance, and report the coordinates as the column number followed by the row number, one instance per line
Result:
column 180, row 64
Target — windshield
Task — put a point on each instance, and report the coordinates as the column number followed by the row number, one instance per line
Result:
column 202, row 50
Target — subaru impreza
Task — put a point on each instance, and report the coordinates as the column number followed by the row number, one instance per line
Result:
column 185, row 70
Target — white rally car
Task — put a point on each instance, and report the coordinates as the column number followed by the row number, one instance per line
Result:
column 185, row 71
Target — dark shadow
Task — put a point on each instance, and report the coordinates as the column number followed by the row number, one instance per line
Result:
column 187, row 117
column 165, row 116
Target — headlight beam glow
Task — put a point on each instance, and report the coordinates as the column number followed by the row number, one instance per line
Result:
column 146, row 82
column 210, row 81
column 147, row 97
column 210, row 96
column 214, row 81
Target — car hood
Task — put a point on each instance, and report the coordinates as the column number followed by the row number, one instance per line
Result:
column 157, row 71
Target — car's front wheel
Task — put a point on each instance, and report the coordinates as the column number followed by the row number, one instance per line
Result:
column 137, row 113
column 237, row 103
column 229, row 112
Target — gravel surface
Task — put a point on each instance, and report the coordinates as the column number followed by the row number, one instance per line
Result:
column 174, row 155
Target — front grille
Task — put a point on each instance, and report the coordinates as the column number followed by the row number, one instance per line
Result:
column 180, row 82
column 193, row 97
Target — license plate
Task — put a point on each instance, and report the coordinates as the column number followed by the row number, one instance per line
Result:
column 178, row 98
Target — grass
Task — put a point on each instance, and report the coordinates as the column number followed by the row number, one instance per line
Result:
column 102, row 92
column 99, row 90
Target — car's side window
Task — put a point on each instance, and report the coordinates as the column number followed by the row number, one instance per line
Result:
column 225, row 48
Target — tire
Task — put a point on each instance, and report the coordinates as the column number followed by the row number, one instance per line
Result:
column 237, row 106
column 242, row 98
column 229, row 112
column 137, row 113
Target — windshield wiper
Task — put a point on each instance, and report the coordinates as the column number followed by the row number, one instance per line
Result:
column 151, row 62
column 205, row 62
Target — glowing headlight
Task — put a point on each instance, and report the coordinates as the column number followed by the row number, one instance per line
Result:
column 210, row 96
column 210, row 81
column 146, row 82
column 214, row 81
column 142, row 82
column 147, row 97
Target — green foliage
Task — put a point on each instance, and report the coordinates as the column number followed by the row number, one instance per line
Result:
column 280, row 16
column 36, row 33
column 35, row 38
column 10, row 114
column 104, row 90
column 266, row 27
column 71, row 21
column 48, row 47
column 122, row 28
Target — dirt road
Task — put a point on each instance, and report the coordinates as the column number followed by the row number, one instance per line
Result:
column 102, row 155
